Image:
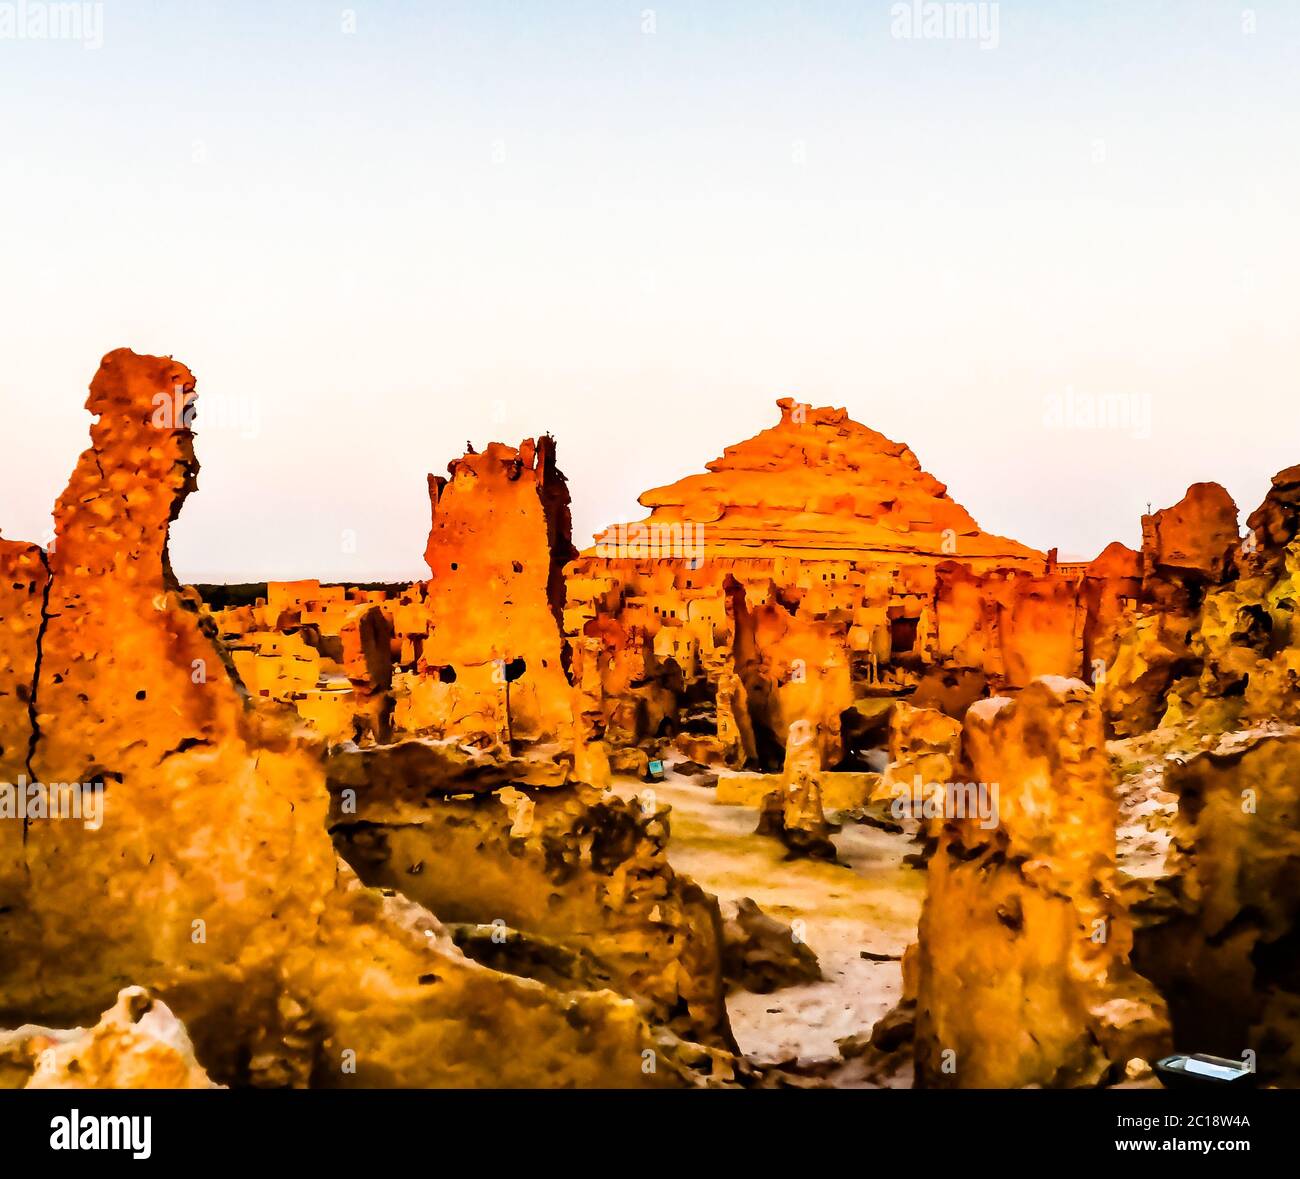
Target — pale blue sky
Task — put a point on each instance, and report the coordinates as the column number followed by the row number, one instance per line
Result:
column 486, row 219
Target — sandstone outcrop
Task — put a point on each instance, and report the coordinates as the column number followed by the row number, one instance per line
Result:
column 137, row 1044
column 1220, row 939
column 24, row 582
column 820, row 545
column 565, row 867
column 950, row 690
column 1206, row 685
column 924, row 747
column 1022, row 960
column 496, row 554
column 1149, row 656
column 792, row 811
column 212, row 880
column 1216, row 645
column 762, row 954
column 1188, row 545
column 797, row 683
column 819, row 484
column 1187, row 550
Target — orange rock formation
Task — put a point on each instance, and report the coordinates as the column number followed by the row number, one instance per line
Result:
column 1187, row 551
column 820, row 487
column 496, row 552
column 1022, row 961
column 1221, row 947
column 1212, row 661
column 819, row 565
column 211, row 879
column 137, row 1044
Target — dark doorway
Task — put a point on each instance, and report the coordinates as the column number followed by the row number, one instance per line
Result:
column 902, row 635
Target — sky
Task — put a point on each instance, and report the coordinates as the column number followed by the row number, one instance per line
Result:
column 1055, row 252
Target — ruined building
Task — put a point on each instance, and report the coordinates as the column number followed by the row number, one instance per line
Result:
column 212, row 880
column 812, row 566
column 394, row 834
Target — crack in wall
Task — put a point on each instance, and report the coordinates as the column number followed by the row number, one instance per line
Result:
column 33, row 719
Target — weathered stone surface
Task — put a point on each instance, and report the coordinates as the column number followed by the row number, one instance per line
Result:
column 1148, row 658
column 797, row 683
column 1210, row 689
column 1022, row 960
column 924, row 747
column 1224, row 952
column 496, row 553
column 1275, row 523
column 1216, row 645
column 821, row 547
column 408, row 773
column 24, row 580
column 137, row 1044
column 21, row 1049
column 950, row 690
column 822, row 483
column 794, row 814
column 212, row 880
column 1197, row 538
column 1245, row 641
column 1013, row 628
column 1187, row 550
column 563, row 867
column 1110, row 595
column 762, row 954
column 840, row 791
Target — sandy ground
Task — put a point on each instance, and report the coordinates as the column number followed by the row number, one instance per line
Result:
column 870, row 902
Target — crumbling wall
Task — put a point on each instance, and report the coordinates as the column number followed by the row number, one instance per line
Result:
column 496, row 552
column 568, row 866
column 1009, row 624
column 1227, row 957
column 24, row 582
column 212, row 879
column 1188, row 550
column 1022, row 960
column 797, row 681
column 924, row 754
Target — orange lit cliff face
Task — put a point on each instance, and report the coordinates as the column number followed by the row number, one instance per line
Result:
column 499, row 540
column 820, row 487
column 839, row 530
column 24, row 580
column 1023, row 957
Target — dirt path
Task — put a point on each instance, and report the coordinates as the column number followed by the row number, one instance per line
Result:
column 870, row 902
